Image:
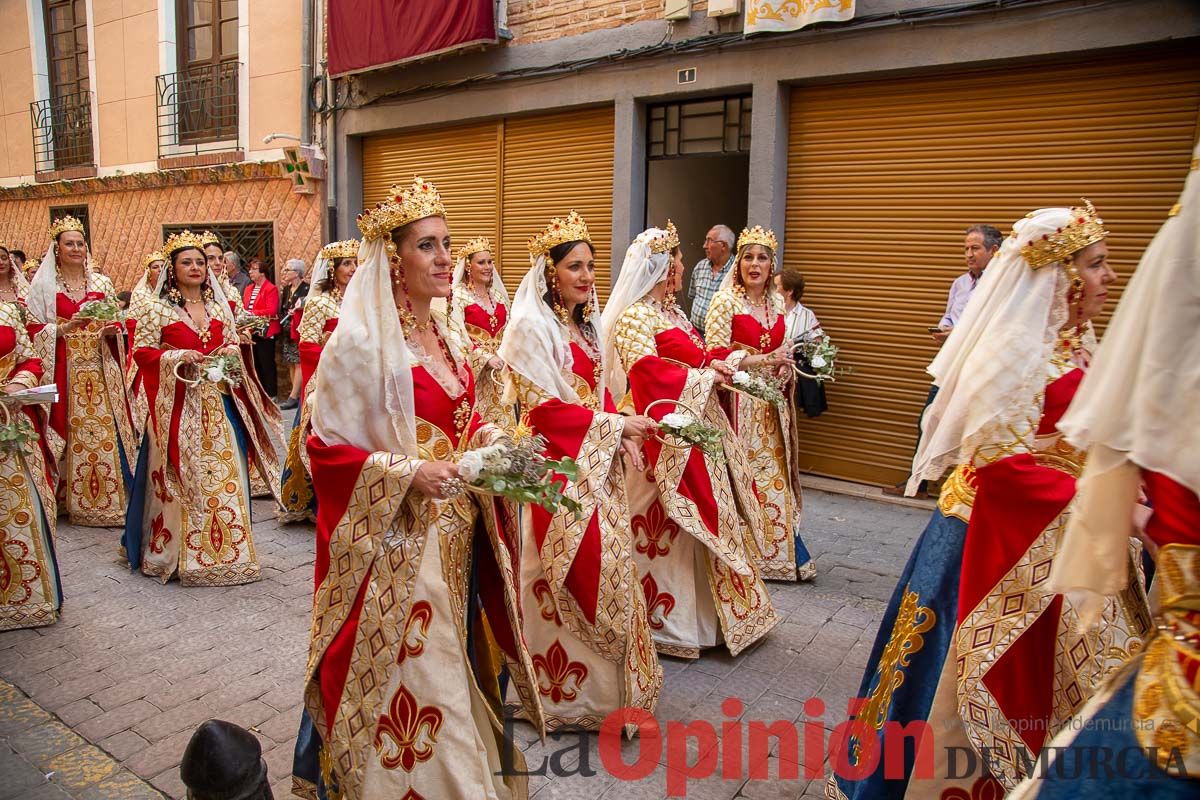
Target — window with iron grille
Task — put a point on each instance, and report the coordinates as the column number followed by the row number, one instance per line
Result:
column 699, row 127
column 78, row 212
column 247, row 239
column 198, row 104
column 62, row 123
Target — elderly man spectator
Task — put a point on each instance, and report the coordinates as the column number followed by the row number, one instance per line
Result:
column 710, row 271
column 233, row 270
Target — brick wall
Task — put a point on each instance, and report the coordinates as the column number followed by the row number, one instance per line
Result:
column 541, row 20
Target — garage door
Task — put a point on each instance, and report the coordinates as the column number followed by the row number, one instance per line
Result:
column 883, row 177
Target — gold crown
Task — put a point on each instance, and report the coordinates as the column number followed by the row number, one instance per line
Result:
column 178, row 241
column 32, row 263
column 666, row 243
column 150, row 258
column 64, row 224
column 476, row 245
column 559, row 231
column 347, row 248
column 401, row 207
column 207, row 238
column 1085, row 228
column 758, row 235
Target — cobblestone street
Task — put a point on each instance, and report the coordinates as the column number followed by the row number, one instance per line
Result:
column 119, row 684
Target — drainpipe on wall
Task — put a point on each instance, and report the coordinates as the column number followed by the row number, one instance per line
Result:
column 306, row 20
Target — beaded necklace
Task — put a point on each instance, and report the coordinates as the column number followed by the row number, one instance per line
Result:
column 591, row 349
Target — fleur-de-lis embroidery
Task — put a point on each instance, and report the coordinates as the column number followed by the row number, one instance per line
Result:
column 563, row 677
column 407, row 732
column 416, row 631
column 654, row 532
column 160, row 486
column 659, row 605
column 160, row 535
column 545, row 600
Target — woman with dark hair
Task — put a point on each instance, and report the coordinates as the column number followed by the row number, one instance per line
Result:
column 32, row 593
column 585, row 616
column 313, row 322
column 91, row 431
column 416, row 599
column 746, row 325
column 189, row 511
column 695, row 516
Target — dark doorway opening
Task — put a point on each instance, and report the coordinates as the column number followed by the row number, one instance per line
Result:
column 698, row 170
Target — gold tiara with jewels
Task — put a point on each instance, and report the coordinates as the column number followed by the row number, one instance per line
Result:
column 667, row 242
column 64, row 224
column 401, row 207
column 207, row 238
column 181, row 240
column 479, row 244
column 1085, row 228
column 559, row 231
column 347, row 248
column 758, row 235
column 150, row 258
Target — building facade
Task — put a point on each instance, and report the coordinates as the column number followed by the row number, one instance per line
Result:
column 868, row 146
column 147, row 116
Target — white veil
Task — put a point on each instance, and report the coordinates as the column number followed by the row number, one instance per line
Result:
column 641, row 271
column 363, row 390
column 535, row 342
column 43, row 290
column 993, row 365
column 461, row 295
column 1136, row 408
column 321, row 270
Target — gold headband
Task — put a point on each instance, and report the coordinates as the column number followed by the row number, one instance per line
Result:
column 559, row 231
column 758, row 235
column 401, row 207
column 1085, row 228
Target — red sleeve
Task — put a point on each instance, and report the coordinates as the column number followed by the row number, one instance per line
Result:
column 148, row 361
column 310, row 356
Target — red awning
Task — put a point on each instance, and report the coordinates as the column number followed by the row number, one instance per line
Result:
column 369, row 34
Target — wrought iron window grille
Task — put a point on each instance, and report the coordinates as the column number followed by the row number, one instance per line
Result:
column 62, row 132
column 198, row 110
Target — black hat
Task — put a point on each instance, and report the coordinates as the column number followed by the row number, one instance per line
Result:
column 224, row 761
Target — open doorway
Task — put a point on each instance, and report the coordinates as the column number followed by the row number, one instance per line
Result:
column 697, row 170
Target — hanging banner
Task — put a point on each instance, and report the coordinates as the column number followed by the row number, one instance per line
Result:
column 776, row 16
column 369, row 34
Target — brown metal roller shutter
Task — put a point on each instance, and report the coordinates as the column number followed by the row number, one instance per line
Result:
column 554, row 163
column 462, row 161
column 883, row 177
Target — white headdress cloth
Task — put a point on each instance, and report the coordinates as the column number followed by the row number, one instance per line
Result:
column 43, row 290
column 1137, row 409
column 994, row 363
column 640, row 272
column 363, row 393
column 320, row 272
column 536, row 344
column 461, row 295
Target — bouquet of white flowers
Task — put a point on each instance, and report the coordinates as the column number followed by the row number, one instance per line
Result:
column 517, row 470
column 821, row 355
column 694, row 432
column 105, row 310
column 214, row 369
column 252, row 323
column 757, row 387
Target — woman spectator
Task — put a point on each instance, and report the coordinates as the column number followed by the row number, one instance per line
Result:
column 291, row 298
column 262, row 300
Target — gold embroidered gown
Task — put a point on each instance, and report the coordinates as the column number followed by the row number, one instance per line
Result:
column 30, row 589
column 585, row 612
column 695, row 521
column 768, row 435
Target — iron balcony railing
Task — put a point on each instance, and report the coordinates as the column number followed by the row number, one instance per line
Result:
column 62, row 132
column 198, row 110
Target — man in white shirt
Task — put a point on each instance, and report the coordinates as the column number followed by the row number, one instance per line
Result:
column 980, row 244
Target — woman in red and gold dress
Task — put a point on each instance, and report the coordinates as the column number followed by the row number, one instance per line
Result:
column 695, row 519
column 480, row 305
column 585, row 616
column 979, row 648
column 415, row 578
column 91, row 430
column 746, row 321
column 315, row 322
column 30, row 590
column 1136, row 416
column 140, row 298
column 189, row 510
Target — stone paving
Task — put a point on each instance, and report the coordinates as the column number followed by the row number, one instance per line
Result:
column 119, row 684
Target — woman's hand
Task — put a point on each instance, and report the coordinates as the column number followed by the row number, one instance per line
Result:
column 70, row 326
column 13, row 388
column 230, row 350
column 723, row 368
column 638, row 428
column 633, row 454
column 244, row 337
column 495, row 363
column 431, row 477
column 192, row 357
